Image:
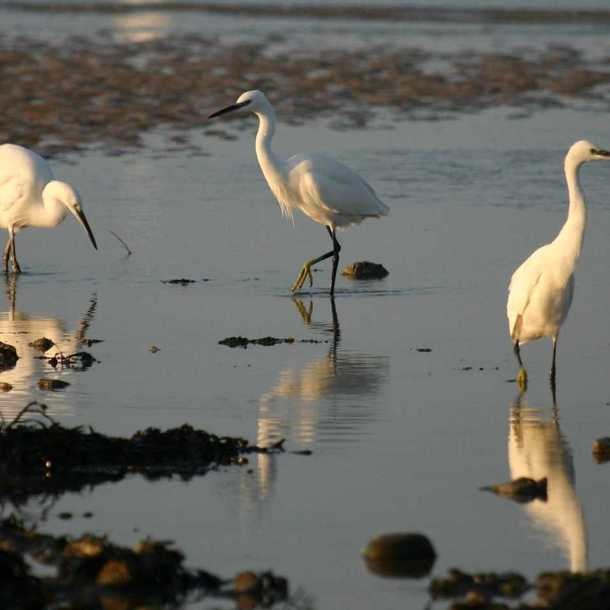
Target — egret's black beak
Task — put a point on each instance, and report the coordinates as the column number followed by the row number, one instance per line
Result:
column 601, row 153
column 80, row 215
column 230, row 108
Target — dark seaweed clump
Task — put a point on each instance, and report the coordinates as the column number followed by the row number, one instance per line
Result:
column 39, row 455
column 556, row 590
column 91, row 572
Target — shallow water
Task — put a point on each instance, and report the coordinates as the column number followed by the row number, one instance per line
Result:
column 401, row 439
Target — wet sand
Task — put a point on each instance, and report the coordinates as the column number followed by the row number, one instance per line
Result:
column 125, row 90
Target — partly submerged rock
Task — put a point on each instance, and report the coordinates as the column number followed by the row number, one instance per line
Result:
column 8, row 356
column 43, row 344
column 365, row 270
column 601, row 449
column 407, row 555
column 52, row 384
column 520, row 490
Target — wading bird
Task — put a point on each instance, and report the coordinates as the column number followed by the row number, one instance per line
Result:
column 30, row 197
column 322, row 188
column 541, row 289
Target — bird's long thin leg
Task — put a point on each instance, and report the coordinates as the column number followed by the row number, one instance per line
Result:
column 522, row 375
column 7, row 252
column 553, row 366
column 306, row 268
column 336, row 250
column 16, row 267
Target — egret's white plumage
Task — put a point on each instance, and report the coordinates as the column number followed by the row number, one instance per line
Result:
column 541, row 289
column 31, row 197
column 325, row 190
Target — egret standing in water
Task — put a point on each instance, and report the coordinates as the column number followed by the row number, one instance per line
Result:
column 322, row 188
column 541, row 289
column 30, row 197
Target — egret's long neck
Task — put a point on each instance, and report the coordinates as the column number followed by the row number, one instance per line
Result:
column 573, row 231
column 266, row 128
column 49, row 214
column 272, row 167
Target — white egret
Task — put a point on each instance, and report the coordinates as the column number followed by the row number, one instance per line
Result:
column 323, row 189
column 31, row 197
column 541, row 289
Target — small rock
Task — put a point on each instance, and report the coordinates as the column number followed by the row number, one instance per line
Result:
column 5, row 387
column 115, row 572
column 43, row 344
column 601, row 449
column 365, row 270
column 246, row 582
column 423, row 349
column 52, row 384
column 400, row 555
column 153, row 349
column 8, row 356
column 87, row 546
column 520, row 490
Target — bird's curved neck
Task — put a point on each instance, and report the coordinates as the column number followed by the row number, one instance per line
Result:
column 270, row 164
column 573, row 231
column 49, row 214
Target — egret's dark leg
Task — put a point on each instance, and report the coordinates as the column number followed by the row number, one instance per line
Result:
column 522, row 376
column 16, row 267
column 553, row 365
column 306, row 268
column 336, row 250
column 7, row 252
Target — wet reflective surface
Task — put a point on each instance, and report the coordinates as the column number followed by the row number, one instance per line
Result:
column 403, row 394
column 537, row 449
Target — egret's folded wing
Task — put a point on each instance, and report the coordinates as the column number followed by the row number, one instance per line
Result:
column 522, row 285
column 12, row 189
column 330, row 185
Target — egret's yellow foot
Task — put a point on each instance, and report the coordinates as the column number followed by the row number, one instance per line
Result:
column 522, row 379
column 303, row 275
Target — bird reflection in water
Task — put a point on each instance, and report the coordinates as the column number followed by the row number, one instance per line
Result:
column 19, row 329
column 538, row 449
column 327, row 399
